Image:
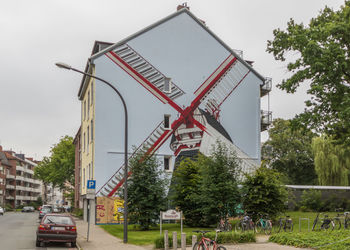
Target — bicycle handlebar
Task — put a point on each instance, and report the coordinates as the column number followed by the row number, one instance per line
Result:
column 200, row 231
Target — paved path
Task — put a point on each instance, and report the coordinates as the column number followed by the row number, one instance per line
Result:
column 101, row 240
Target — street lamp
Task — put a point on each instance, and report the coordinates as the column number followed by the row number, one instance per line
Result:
column 66, row 66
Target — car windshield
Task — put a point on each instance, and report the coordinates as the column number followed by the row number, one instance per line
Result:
column 65, row 220
column 46, row 209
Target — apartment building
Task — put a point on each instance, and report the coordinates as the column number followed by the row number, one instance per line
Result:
column 19, row 185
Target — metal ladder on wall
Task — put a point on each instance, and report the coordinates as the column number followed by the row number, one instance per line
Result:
column 148, row 71
column 117, row 179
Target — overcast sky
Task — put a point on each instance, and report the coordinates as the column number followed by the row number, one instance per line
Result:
column 38, row 102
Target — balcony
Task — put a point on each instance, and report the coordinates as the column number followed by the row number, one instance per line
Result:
column 19, row 178
column 9, row 197
column 1, row 192
column 266, row 87
column 266, row 119
column 10, row 177
column 20, row 168
column 8, row 186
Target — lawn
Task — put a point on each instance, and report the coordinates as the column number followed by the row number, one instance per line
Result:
column 137, row 237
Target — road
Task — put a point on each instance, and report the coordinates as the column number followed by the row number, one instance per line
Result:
column 18, row 231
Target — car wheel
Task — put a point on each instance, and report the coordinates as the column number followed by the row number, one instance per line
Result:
column 38, row 243
column 74, row 244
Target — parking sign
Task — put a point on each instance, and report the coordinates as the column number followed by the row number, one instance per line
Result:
column 91, row 184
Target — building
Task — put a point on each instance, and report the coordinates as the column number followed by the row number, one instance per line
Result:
column 78, row 203
column 19, row 185
column 184, row 88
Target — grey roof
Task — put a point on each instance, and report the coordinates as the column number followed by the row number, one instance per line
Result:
column 102, row 52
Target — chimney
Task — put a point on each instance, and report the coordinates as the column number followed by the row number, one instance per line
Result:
column 184, row 5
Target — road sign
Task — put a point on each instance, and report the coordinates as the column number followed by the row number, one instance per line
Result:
column 91, row 184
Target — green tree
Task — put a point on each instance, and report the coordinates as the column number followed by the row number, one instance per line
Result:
column 263, row 192
column 219, row 184
column 146, row 191
column 289, row 152
column 186, row 189
column 320, row 58
column 332, row 162
column 58, row 169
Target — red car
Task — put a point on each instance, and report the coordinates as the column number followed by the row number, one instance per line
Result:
column 57, row 228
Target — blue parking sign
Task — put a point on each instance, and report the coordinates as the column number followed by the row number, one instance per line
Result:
column 91, row 184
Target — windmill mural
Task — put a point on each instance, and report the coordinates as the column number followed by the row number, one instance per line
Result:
column 184, row 85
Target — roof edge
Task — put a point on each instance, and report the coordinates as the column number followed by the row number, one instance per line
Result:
column 102, row 52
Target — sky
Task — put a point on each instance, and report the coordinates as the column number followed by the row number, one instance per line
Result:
column 38, row 101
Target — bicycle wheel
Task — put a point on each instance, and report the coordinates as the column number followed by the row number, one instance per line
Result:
column 221, row 248
column 268, row 227
column 289, row 227
column 258, row 227
column 238, row 227
column 199, row 246
column 314, row 225
column 337, row 224
column 229, row 227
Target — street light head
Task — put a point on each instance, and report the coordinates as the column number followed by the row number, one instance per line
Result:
column 63, row 65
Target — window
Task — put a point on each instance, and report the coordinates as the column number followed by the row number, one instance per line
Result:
column 84, row 143
column 92, row 130
column 88, row 139
column 84, row 110
column 84, row 178
column 166, row 163
column 89, row 171
column 88, row 109
column 167, row 121
column 92, row 91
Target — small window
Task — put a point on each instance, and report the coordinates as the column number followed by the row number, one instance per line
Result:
column 88, row 139
column 92, row 91
column 167, row 85
column 92, row 130
column 84, row 143
column 84, row 110
column 166, row 163
column 167, row 121
column 88, row 105
column 84, row 182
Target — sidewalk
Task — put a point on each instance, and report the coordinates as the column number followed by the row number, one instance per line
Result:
column 99, row 239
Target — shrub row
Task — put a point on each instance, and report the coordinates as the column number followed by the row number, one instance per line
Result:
column 321, row 240
column 224, row 237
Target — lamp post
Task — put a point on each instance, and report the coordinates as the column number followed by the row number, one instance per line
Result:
column 66, row 66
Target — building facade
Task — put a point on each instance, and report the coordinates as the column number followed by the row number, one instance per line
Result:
column 19, row 185
column 77, row 197
column 184, row 90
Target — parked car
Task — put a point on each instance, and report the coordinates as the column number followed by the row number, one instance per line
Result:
column 56, row 228
column 2, row 211
column 28, row 209
column 45, row 209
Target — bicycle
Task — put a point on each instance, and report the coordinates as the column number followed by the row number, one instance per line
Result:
column 286, row 224
column 346, row 220
column 205, row 243
column 325, row 223
column 263, row 225
column 224, row 225
column 337, row 222
column 245, row 224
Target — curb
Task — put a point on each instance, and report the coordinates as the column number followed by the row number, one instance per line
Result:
column 79, row 247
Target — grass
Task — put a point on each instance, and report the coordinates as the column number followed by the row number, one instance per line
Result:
column 138, row 237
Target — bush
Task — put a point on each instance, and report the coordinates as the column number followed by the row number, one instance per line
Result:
column 78, row 212
column 311, row 200
column 223, row 238
column 8, row 208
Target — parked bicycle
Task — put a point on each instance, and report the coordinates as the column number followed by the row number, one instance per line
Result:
column 263, row 224
column 245, row 224
column 206, row 243
column 325, row 223
column 284, row 223
column 224, row 225
column 347, row 220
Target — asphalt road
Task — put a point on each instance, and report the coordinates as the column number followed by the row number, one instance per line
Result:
column 18, row 231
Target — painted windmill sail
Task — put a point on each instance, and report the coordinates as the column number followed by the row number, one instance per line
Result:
column 205, row 88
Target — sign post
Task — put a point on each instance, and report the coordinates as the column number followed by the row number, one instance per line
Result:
column 90, row 195
column 170, row 215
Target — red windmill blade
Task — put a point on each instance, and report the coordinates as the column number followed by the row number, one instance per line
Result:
column 150, row 78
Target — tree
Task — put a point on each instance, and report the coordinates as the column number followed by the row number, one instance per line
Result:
column 263, row 192
column 186, row 189
column 219, row 184
column 58, row 169
column 321, row 59
column 332, row 162
column 146, row 190
column 289, row 152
